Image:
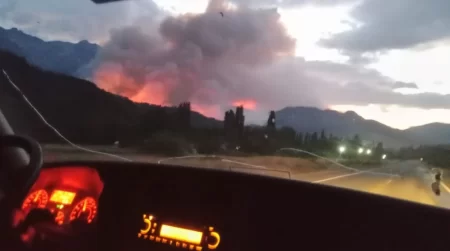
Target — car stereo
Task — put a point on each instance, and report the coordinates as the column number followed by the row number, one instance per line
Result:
column 198, row 239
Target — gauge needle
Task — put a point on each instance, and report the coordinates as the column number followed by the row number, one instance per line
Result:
column 37, row 196
column 84, row 205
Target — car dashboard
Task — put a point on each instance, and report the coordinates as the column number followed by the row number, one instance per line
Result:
column 157, row 207
column 70, row 194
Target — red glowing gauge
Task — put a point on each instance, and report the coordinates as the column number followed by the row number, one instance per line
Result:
column 85, row 210
column 59, row 218
column 36, row 199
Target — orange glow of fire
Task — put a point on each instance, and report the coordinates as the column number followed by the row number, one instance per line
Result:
column 112, row 79
column 212, row 111
column 154, row 93
column 247, row 104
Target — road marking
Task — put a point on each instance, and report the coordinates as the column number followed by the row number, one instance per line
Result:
column 445, row 186
column 338, row 177
column 244, row 164
column 389, row 181
column 318, row 156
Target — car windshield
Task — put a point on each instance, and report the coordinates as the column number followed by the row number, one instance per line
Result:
column 348, row 93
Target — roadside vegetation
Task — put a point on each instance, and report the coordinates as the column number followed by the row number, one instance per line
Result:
column 171, row 134
column 87, row 115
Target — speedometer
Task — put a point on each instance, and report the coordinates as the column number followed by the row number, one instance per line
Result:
column 85, row 210
column 36, row 199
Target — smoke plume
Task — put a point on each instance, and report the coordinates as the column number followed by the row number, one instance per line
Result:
column 212, row 60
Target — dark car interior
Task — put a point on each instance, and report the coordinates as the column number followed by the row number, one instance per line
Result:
column 141, row 206
column 95, row 205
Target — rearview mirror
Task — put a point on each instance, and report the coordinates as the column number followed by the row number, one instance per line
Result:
column 435, row 188
column 104, row 1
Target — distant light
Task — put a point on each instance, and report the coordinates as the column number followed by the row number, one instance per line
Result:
column 368, row 151
column 421, row 159
column 360, row 150
column 266, row 136
column 237, row 147
column 384, row 156
column 341, row 149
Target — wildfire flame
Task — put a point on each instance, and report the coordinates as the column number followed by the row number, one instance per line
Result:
column 112, row 78
column 247, row 104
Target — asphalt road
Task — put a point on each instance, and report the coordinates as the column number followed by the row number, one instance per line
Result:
column 409, row 180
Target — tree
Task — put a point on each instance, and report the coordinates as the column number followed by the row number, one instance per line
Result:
column 271, row 123
column 239, row 122
column 229, row 122
column 314, row 138
column 299, row 139
column 307, row 139
column 323, row 137
column 378, row 152
column 356, row 141
column 183, row 119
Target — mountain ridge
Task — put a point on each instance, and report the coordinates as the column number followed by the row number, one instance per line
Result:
column 74, row 59
column 56, row 56
column 347, row 124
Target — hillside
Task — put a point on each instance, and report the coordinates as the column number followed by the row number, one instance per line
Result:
column 56, row 56
column 78, row 108
column 435, row 133
column 308, row 119
column 52, row 91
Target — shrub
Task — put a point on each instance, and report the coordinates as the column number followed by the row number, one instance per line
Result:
column 167, row 143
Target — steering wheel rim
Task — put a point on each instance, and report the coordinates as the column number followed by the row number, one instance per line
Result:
column 22, row 179
column 17, row 182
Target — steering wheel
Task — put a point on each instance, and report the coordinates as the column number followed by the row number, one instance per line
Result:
column 19, row 180
column 15, row 182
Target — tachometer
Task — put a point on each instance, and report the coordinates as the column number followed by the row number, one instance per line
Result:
column 85, row 210
column 36, row 199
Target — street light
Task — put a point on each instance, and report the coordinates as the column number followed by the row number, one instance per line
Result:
column 384, row 156
column 360, row 150
column 368, row 152
column 341, row 149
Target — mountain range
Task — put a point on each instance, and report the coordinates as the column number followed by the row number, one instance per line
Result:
column 71, row 59
column 57, row 56
column 308, row 119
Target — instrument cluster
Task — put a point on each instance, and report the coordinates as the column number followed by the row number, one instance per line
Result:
column 70, row 194
column 65, row 204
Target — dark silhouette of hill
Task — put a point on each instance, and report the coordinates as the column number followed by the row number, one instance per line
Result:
column 308, row 119
column 78, row 108
column 57, row 95
column 434, row 133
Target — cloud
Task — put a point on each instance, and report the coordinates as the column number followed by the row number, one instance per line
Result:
column 205, row 58
column 361, row 95
column 7, row 6
column 246, row 55
column 399, row 84
column 210, row 60
column 72, row 20
column 340, row 84
column 399, row 24
column 290, row 3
